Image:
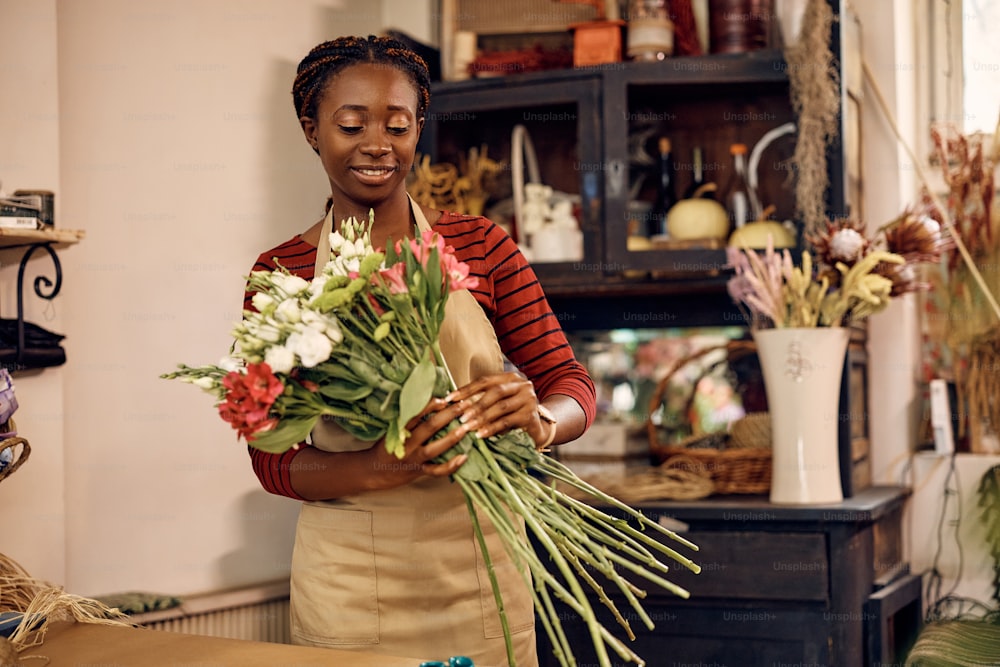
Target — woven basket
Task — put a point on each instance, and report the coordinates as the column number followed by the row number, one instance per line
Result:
column 737, row 465
column 20, row 455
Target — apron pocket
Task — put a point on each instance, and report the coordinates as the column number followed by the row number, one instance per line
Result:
column 334, row 600
column 514, row 592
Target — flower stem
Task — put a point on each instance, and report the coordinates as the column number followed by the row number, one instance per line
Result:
column 494, row 584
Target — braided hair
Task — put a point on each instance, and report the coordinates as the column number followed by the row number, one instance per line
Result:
column 329, row 58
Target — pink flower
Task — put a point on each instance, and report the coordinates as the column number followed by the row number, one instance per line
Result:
column 421, row 248
column 456, row 272
column 395, row 276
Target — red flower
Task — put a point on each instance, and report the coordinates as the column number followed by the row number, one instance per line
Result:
column 249, row 398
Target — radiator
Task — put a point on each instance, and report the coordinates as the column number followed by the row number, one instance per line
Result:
column 257, row 613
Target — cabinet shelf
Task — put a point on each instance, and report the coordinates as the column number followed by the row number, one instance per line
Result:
column 595, row 132
column 709, row 70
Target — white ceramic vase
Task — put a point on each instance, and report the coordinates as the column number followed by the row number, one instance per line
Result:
column 802, row 371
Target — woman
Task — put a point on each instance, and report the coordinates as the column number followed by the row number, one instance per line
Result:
column 385, row 559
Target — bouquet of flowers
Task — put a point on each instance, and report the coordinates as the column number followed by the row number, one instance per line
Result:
column 845, row 278
column 360, row 344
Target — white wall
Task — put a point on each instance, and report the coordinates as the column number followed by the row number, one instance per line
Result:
column 171, row 140
column 34, row 525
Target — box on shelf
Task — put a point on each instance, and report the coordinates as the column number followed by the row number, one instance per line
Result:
column 605, row 447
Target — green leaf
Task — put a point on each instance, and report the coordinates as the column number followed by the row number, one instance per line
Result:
column 474, row 469
column 434, row 278
column 288, row 433
column 345, row 391
column 381, row 331
column 442, row 382
column 362, row 430
column 397, row 370
column 416, row 390
column 395, row 438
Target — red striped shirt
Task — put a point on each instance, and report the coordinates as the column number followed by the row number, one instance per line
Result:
column 528, row 331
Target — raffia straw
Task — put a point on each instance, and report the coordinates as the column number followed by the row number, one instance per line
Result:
column 42, row 603
column 948, row 223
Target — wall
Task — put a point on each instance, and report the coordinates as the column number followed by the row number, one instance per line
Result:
column 173, row 143
column 33, row 531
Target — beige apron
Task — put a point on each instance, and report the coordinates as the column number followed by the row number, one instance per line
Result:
column 399, row 571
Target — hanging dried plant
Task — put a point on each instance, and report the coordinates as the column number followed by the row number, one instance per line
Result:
column 815, row 96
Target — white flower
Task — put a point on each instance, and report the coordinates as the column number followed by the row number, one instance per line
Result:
column 206, row 383
column 313, row 320
column 334, row 333
column 261, row 301
column 289, row 284
column 336, row 241
column 317, row 285
column 846, row 244
column 230, row 364
column 280, row 359
column 266, row 332
column 288, row 311
column 345, row 266
column 311, row 346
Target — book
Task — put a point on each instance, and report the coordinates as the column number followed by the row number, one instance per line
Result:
column 19, row 222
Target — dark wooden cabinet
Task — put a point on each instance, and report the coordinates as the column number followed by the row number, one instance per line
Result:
column 802, row 585
column 590, row 127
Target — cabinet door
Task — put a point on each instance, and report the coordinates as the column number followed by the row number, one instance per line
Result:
column 709, row 102
column 561, row 113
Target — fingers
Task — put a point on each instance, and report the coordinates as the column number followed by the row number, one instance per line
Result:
column 499, row 403
column 445, row 469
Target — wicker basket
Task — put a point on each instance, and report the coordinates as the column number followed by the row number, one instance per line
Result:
column 740, row 465
column 18, row 455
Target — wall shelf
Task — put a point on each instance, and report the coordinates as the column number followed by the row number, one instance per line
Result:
column 12, row 238
column 25, row 345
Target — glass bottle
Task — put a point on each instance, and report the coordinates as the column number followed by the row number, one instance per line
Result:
column 737, row 192
column 665, row 194
column 737, row 26
column 650, row 33
column 697, row 175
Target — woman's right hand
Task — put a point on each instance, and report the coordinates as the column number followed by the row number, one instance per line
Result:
column 421, row 447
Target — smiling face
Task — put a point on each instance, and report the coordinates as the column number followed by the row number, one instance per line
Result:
column 366, row 130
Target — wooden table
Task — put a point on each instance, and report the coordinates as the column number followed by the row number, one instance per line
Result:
column 71, row 644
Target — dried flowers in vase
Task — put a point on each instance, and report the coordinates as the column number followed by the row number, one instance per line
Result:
column 845, row 276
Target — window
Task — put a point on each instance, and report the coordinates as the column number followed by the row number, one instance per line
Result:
column 964, row 63
column 980, row 20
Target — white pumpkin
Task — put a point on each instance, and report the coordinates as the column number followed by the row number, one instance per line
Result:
column 698, row 217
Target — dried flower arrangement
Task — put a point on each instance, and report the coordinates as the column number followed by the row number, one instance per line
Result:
column 846, row 277
column 962, row 320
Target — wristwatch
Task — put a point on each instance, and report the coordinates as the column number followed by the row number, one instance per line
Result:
column 546, row 416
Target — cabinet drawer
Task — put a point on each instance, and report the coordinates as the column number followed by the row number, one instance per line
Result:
column 756, row 565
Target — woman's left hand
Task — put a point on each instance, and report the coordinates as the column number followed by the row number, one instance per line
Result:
column 500, row 403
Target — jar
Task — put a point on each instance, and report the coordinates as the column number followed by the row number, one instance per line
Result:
column 737, row 26
column 650, row 30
